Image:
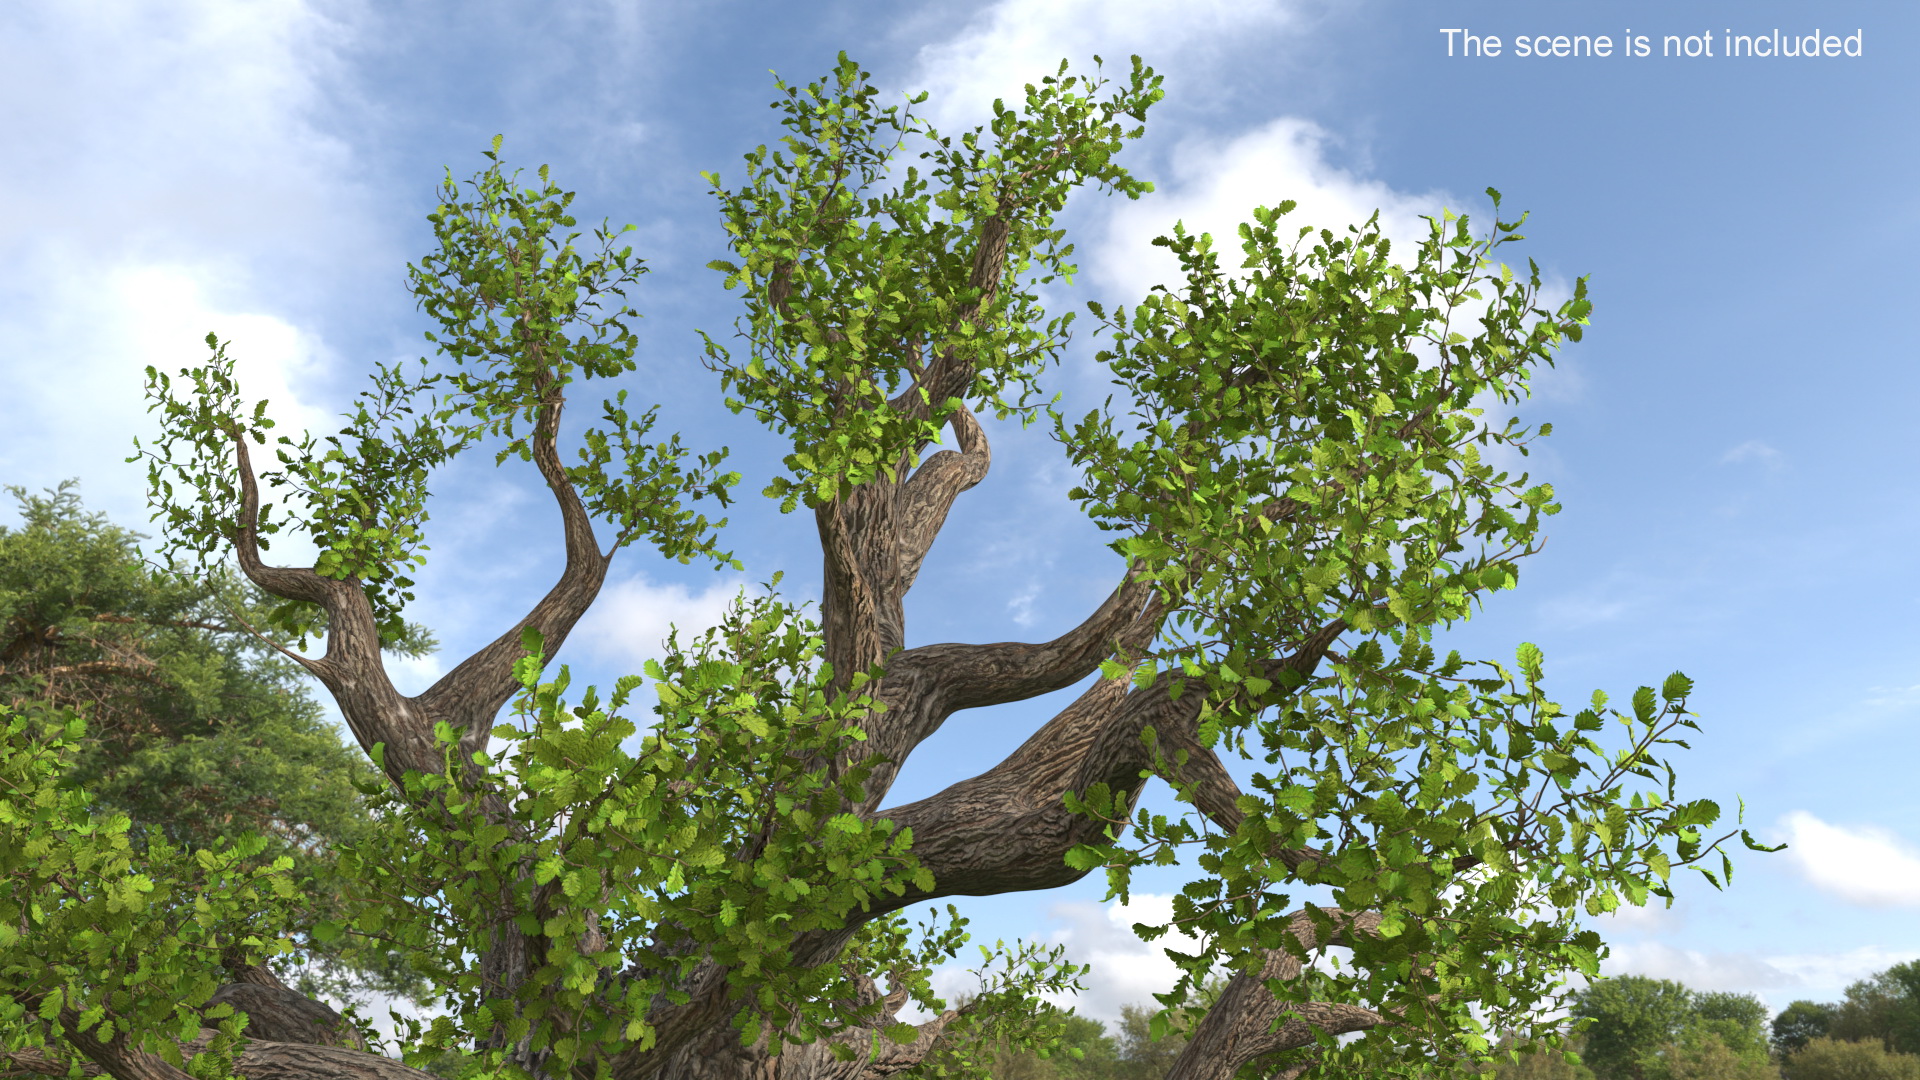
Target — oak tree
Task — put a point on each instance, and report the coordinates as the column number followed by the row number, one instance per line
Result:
column 1293, row 476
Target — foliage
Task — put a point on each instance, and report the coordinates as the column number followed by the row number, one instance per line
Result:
column 1702, row 1055
column 99, row 940
column 1632, row 1019
column 1832, row 1059
column 1306, row 464
column 647, row 847
column 1653, row 1028
column 1798, row 1023
column 1884, row 1007
column 196, row 730
column 1512, row 1062
column 853, row 287
column 1083, row 1051
column 1296, row 465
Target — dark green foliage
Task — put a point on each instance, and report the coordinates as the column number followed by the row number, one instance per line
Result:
column 1884, row 1008
column 196, row 730
column 1798, row 1023
column 1655, row 1029
column 1830, row 1059
column 1633, row 1018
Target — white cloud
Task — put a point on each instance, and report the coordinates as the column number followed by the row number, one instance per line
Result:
column 1738, row 972
column 1011, row 44
column 1777, row 979
column 1865, row 865
column 178, row 183
column 1215, row 185
column 629, row 622
column 1126, row 970
column 1653, row 917
column 1021, row 606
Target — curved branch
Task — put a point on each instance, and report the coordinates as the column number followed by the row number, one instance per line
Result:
column 1248, row 1021
column 115, row 1056
column 472, row 694
column 975, row 676
column 926, row 498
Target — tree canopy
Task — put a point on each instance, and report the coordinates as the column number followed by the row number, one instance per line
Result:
column 1294, row 478
column 1638, row 1028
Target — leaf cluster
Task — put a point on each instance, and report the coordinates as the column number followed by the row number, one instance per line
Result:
column 859, row 282
column 101, row 939
column 721, row 838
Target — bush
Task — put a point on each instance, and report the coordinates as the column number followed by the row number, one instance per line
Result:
column 1830, row 1059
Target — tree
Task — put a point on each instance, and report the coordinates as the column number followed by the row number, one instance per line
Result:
column 1654, row 1028
column 1737, row 1021
column 1831, row 1059
column 1798, row 1023
column 195, row 730
column 1085, row 1052
column 1302, row 502
column 1883, row 1008
column 1632, row 1019
column 1702, row 1055
column 1510, row 1063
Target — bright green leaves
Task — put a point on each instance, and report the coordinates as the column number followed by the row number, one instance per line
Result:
column 1474, row 816
column 861, row 292
column 522, row 307
column 721, row 833
column 1293, row 459
column 523, row 310
column 91, row 924
column 511, row 290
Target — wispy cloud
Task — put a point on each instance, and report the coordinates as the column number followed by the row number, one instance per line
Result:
column 1215, row 184
column 1126, row 970
column 630, row 621
column 1753, row 450
column 1777, row 979
column 1009, row 45
column 179, row 182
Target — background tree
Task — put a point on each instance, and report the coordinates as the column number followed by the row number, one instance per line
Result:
column 1511, row 1063
column 1298, row 500
column 1884, row 1008
column 195, row 729
column 1084, row 1052
column 1725, row 1038
column 1798, row 1023
column 1633, row 1018
column 1656, row 1029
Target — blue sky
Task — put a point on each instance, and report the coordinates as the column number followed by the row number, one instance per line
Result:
column 1731, row 440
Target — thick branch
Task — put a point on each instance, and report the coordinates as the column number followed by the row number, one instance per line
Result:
column 924, row 686
column 926, row 498
column 1248, row 1021
column 975, row 676
column 115, row 1056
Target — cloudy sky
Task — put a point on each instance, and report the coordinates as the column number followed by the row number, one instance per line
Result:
column 1732, row 441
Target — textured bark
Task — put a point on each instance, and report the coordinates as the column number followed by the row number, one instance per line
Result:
column 1004, row 830
column 1248, row 1022
column 278, row 1014
column 288, row 1035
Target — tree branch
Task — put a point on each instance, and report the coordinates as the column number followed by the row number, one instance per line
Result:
column 1248, row 1021
column 968, row 676
column 471, row 695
